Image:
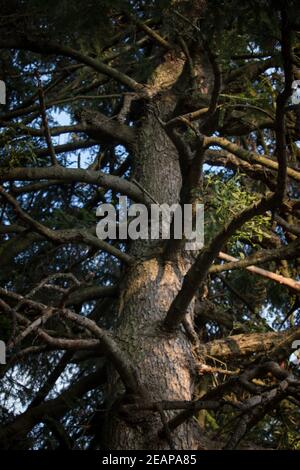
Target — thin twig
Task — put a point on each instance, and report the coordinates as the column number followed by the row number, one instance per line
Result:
column 46, row 128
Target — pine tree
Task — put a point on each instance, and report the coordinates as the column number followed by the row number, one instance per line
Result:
column 138, row 344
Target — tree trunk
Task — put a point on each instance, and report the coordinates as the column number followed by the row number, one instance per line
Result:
column 164, row 361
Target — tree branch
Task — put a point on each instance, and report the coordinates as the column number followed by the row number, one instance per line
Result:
column 244, row 345
column 288, row 252
column 90, row 293
column 55, row 408
column 46, row 125
column 198, row 272
column 73, row 175
column 248, row 156
column 50, row 47
column 64, row 236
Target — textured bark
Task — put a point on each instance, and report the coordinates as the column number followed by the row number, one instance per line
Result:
column 164, row 361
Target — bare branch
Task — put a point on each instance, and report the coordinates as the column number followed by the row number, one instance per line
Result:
column 248, row 156
column 112, row 350
column 243, row 345
column 263, row 256
column 92, row 292
column 68, row 175
column 151, row 33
